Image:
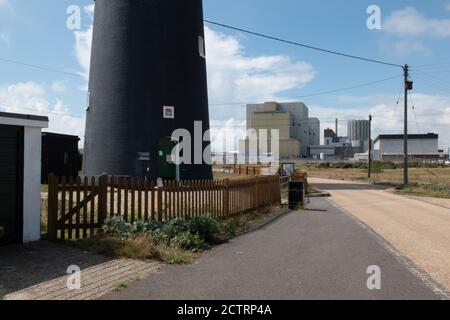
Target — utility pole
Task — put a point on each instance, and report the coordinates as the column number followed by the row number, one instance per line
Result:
column 408, row 86
column 369, row 158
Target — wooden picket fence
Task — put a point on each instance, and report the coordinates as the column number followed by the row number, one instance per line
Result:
column 248, row 170
column 77, row 208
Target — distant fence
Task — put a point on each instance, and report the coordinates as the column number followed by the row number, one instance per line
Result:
column 249, row 170
column 77, row 208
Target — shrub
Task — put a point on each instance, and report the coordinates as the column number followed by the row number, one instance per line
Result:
column 117, row 227
column 188, row 241
column 173, row 228
column 324, row 165
column 186, row 234
column 228, row 227
column 204, row 226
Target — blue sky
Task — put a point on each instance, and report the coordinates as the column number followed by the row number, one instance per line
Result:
column 243, row 68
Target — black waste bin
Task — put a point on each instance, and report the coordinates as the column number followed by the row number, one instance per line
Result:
column 296, row 194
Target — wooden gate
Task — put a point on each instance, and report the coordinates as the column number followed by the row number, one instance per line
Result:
column 76, row 207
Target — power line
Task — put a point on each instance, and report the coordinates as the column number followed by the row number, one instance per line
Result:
column 432, row 65
column 432, row 83
column 318, row 93
column 302, row 45
column 398, row 100
column 433, row 78
column 30, row 108
column 40, row 67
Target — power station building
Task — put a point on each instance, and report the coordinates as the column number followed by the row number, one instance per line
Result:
column 358, row 134
column 338, row 148
column 297, row 131
column 421, row 148
column 147, row 79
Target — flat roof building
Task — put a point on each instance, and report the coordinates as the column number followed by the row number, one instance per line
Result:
column 421, row 147
column 20, row 174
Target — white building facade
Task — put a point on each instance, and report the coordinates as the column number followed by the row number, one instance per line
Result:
column 20, row 144
column 421, row 147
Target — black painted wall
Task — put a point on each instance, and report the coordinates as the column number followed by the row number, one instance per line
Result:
column 60, row 155
column 145, row 55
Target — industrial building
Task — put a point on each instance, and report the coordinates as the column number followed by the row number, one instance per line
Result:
column 147, row 79
column 421, row 148
column 358, row 132
column 60, row 155
column 342, row 148
column 297, row 130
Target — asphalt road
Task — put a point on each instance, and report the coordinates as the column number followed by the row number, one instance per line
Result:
column 417, row 227
column 321, row 253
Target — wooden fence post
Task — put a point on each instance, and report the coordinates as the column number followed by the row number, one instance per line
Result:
column 52, row 214
column 257, row 204
column 159, row 208
column 226, row 198
column 277, row 190
column 102, row 198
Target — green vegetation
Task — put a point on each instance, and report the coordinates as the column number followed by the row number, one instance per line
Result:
column 176, row 241
column 437, row 190
column 357, row 165
column 120, row 286
column 173, row 241
column 185, row 234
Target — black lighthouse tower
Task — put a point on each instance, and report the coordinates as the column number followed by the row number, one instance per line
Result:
column 147, row 79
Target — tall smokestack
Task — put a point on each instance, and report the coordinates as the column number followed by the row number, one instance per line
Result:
column 147, row 78
column 337, row 127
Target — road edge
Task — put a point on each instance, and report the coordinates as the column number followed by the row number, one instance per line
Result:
column 412, row 267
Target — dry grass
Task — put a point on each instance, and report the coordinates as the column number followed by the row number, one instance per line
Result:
column 427, row 190
column 390, row 176
column 433, row 182
column 139, row 247
column 237, row 225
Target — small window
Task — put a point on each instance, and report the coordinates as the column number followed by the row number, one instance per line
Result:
column 201, row 47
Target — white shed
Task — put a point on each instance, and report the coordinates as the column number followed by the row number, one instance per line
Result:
column 20, row 177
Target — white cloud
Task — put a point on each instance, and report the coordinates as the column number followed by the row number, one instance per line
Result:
column 234, row 76
column 403, row 48
column 4, row 37
column 58, row 87
column 31, row 98
column 225, row 135
column 4, row 3
column 411, row 22
column 83, row 42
